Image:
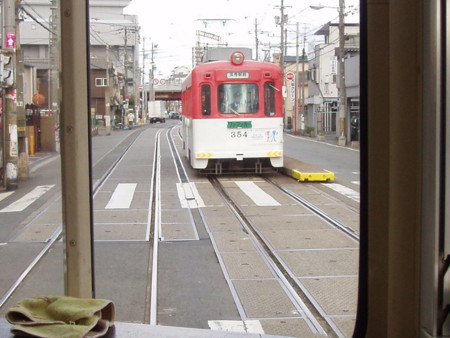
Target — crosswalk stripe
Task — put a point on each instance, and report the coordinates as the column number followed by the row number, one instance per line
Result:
column 28, row 199
column 343, row 190
column 257, row 195
column 3, row 195
column 122, row 196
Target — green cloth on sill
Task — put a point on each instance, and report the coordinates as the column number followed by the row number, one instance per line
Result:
column 61, row 317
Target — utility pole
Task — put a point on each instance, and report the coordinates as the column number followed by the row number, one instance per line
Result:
column 342, row 96
column 9, row 101
column 283, row 20
column 152, row 74
column 110, row 119
column 125, row 65
column 256, row 38
column 20, row 107
column 282, row 40
column 296, row 83
column 144, row 91
column 53, row 97
column 303, row 82
column 125, row 79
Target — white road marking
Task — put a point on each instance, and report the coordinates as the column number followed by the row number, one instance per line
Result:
column 122, row 196
column 189, row 196
column 347, row 192
column 3, row 195
column 248, row 326
column 258, row 196
column 28, row 199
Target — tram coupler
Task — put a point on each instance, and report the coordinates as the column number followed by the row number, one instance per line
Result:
column 218, row 168
column 258, row 167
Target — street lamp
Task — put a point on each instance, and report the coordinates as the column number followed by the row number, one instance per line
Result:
column 342, row 96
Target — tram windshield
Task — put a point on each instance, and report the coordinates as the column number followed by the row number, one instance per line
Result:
column 236, row 98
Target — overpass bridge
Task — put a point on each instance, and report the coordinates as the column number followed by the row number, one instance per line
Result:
column 168, row 92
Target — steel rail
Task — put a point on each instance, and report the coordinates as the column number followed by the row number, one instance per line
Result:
column 183, row 177
column 285, row 266
column 181, row 173
column 335, row 223
column 155, row 219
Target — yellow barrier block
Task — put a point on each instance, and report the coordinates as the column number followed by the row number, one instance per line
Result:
column 311, row 177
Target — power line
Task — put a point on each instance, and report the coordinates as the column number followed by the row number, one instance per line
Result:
column 32, row 8
column 37, row 21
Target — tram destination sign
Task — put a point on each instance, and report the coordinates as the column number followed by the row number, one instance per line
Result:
column 238, row 75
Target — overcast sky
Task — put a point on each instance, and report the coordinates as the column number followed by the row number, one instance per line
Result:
column 172, row 25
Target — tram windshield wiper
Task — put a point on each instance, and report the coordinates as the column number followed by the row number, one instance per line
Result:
column 234, row 111
column 274, row 87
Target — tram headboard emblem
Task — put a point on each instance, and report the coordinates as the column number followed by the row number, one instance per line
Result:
column 237, row 58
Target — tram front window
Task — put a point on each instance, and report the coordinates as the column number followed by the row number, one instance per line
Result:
column 234, row 98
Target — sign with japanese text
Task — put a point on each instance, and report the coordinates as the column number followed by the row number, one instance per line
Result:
column 10, row 40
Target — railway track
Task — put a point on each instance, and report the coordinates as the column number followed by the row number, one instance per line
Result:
column 307, row 305
column 258, row 248
column 102, row 168
column 311, row 308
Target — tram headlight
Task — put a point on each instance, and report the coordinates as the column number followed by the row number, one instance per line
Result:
column 237, row 58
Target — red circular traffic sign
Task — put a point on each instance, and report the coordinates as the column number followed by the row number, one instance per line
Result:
column 290, row 76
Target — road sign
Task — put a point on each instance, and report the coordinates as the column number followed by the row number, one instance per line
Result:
column 290, row 76
column 155, row 82
column 10, row 40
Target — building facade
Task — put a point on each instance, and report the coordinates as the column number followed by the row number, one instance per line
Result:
column 114, row 55
column 323, row 85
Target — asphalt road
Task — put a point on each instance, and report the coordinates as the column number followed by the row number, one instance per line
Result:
column 343, row 161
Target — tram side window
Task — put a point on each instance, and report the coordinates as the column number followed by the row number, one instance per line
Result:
column 269, row 98
column 206, row 100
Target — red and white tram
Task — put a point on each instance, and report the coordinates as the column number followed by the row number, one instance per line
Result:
column 232, row 115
